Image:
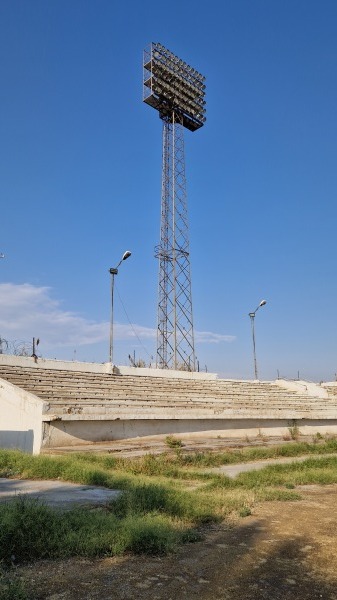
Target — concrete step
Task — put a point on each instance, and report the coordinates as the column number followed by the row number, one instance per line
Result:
column 90, row 391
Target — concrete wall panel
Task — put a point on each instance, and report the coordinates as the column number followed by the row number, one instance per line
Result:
column 20, row 419
column 68, row 433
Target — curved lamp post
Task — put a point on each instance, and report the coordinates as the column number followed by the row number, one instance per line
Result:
column 252, row 317
column 113, row 272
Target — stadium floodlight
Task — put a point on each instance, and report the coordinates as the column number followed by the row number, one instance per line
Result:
column 177, row 92
column 169, row 83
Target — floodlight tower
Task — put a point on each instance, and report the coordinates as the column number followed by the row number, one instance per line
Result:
column 177, row 91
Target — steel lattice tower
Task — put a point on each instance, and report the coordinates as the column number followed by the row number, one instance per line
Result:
column 177, row 92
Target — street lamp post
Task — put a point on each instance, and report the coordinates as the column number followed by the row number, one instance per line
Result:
column 252, row 318
column 113, row 272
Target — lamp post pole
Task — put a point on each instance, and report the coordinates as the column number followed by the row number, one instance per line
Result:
column 114, row 271
column 1, row 340
column 252, row 320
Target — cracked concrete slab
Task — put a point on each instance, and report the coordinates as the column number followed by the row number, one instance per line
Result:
column 56, row 493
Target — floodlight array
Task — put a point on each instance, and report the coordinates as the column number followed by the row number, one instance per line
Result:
column 171, row 85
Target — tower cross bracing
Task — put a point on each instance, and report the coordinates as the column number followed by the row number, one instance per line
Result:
column 177, row 91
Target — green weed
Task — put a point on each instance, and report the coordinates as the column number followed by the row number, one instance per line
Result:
column 245, row 511
column 11, row 589
column 165, row 498
column 272, row 494
column 172, row 442
column 294, row 430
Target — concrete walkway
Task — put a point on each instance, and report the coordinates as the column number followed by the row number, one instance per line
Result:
column 55, row 493
column 234, row 470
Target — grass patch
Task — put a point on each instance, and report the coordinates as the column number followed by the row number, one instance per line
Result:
column 318, row 470
column 276, row 494
column 174, row 465
column 165, row 499
column 11, row 589
column 31, row 531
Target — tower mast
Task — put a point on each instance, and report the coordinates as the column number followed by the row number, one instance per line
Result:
column 177, row 91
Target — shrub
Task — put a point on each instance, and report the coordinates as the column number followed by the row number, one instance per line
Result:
column 294, row 430
column 172, row 442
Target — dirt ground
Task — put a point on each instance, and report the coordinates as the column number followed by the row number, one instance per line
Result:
column 283, row 551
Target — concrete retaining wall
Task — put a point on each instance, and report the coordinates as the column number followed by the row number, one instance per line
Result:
column 20, row 419
column 74, row 433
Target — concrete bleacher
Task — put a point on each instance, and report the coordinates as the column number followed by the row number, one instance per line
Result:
column 331, row 388
column 64, row 404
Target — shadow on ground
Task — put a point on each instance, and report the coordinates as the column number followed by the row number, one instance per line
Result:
column 284, row 551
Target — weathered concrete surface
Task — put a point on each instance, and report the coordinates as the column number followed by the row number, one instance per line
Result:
column 234, row 470
column 84, row 367
column 85, row 403
column 20, row 418
column 55, row 493
column 304, row 387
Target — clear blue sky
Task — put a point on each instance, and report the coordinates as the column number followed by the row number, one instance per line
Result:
column 80, row 178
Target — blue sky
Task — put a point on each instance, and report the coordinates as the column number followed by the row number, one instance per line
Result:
column 80, row 171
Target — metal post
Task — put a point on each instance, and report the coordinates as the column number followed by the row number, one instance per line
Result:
column 252, row 317
column 175, row 334
column 113, row 273
column 1, row 256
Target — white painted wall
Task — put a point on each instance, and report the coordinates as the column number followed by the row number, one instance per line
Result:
column 20, row 419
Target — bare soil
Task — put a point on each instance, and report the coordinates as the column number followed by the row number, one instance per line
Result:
column 283, row 551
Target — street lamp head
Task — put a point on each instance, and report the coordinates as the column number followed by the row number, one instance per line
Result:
column 262, row 303
column 126, row 255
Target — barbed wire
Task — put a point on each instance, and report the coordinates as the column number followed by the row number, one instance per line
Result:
column 16, row 347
